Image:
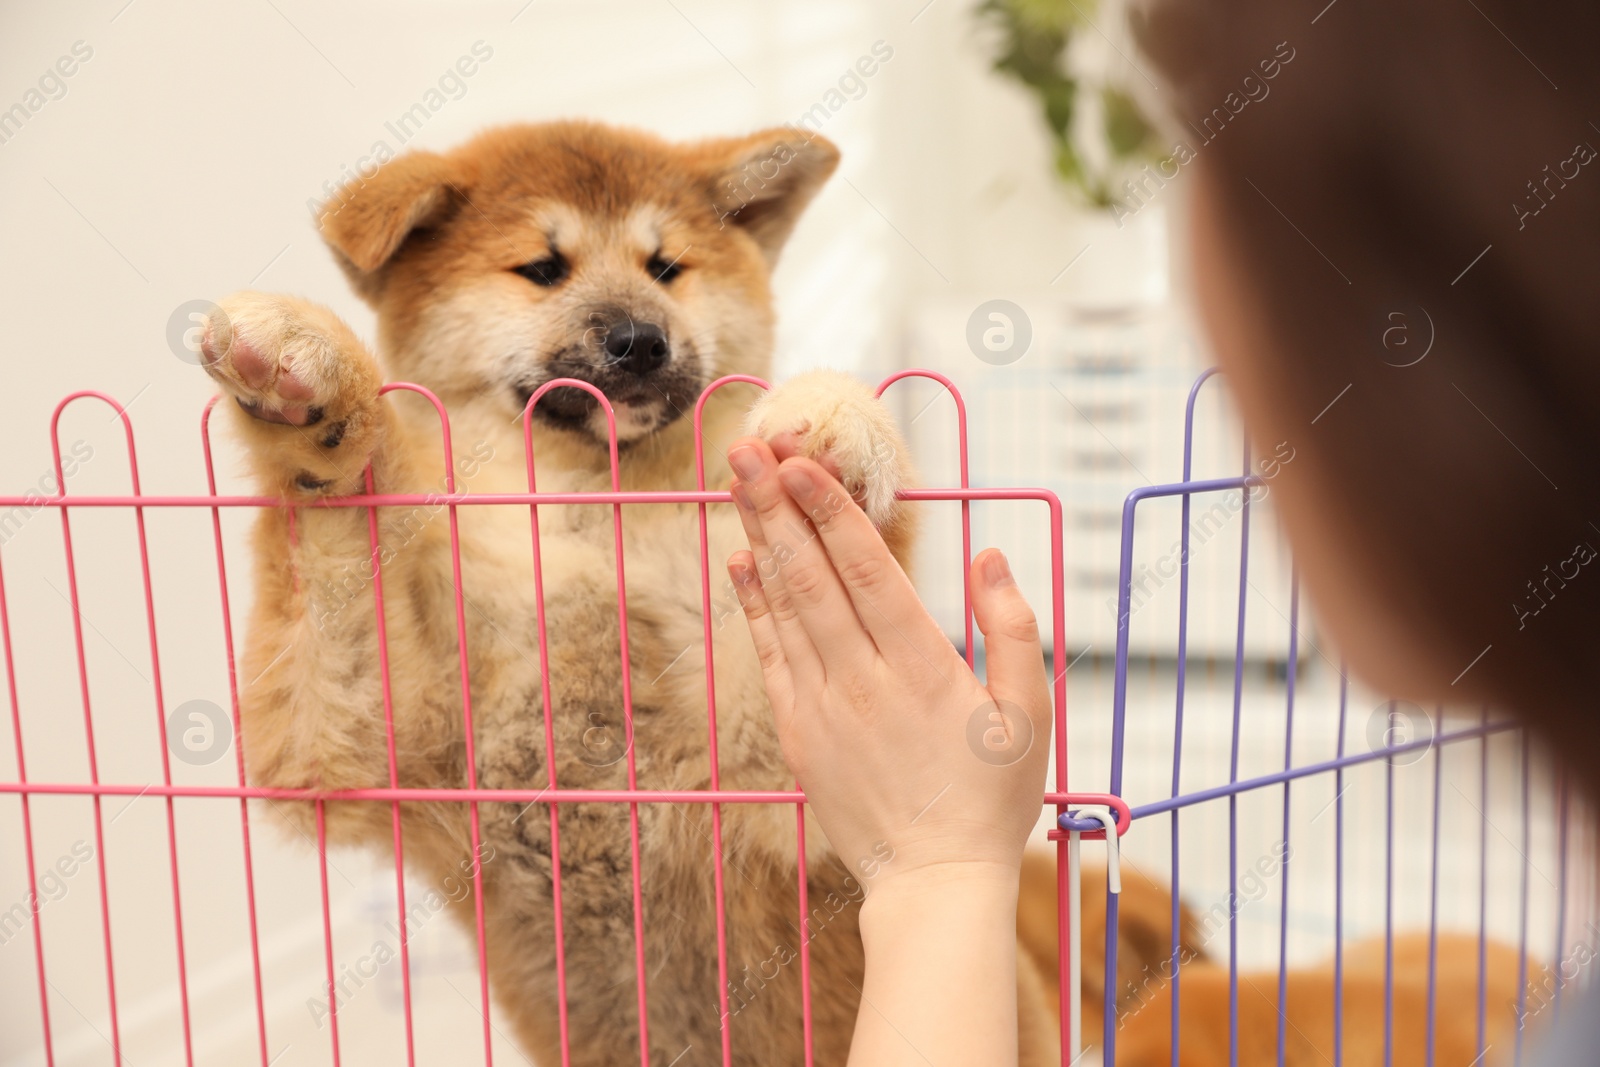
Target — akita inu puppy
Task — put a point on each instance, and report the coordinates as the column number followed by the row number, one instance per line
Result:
column 567, row 250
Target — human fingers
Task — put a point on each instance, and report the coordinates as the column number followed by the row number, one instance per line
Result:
column 787, row 445
column 796, row 643
column 882, row 595
column 776, row 671
column 801, row 583
column 1011, row 649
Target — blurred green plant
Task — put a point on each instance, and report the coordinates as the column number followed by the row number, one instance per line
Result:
column 1034, row 39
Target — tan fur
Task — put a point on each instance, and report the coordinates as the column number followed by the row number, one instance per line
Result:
column 1144, row 933
column 431, row 241
column 1145, row 1037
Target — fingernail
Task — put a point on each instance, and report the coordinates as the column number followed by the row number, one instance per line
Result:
column 997, row 572
column 799, row 483
column 741, row 499
column 740, row 572
column 745, row 463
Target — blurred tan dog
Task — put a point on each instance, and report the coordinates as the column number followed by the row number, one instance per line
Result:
column 1144, row 932
column 1145, row 1037
column 642, row 267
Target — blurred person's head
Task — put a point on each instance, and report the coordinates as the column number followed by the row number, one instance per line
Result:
column 1421, row 173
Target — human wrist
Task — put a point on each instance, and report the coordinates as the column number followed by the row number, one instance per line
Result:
column 959, row 890
column 941, row 964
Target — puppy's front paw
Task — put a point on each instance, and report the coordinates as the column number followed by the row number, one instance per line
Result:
column 836, row 420
column 286, row 360
column 307, row 384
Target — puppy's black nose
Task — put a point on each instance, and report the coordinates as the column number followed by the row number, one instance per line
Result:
column 638, row 347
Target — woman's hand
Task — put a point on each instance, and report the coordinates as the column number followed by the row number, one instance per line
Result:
column 901, row 751
column 888, row 732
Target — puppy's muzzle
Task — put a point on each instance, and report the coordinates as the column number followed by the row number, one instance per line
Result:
column 630, row 357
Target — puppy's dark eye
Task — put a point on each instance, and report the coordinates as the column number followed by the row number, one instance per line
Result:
column 662, row 270
column 550, row 270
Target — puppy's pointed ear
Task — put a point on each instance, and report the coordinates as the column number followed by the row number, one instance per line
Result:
column 367, row 220
column 762, row 182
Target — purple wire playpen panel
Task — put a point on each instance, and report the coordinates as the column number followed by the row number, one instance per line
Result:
column 1439, row 739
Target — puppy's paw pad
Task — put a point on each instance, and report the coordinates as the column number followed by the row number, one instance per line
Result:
column 837, row 421
column 284, row 360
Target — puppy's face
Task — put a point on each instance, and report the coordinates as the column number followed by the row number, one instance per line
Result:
column 648, row 302
column 574, row 250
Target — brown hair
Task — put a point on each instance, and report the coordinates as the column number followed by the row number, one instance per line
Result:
column 1432, row 160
